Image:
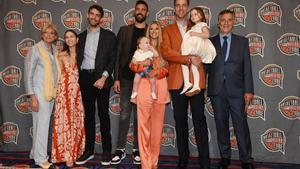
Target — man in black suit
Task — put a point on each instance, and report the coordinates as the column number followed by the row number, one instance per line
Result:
column 230, row 88
column 96, row 60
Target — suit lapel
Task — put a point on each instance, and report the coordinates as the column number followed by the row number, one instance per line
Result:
column 232, row 44
column 81, row 47
column 177, row 34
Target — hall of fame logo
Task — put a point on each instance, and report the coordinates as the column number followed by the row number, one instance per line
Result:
column 289, row 107
column 13, row 21
column 122, row 0
column 257, row 108
column 64, row 1
column 274, row 140
column 233, row 141
column 41, row 18
column 60, row 44
column 208, row 105
column 29, row 1
column 90, row 1
column 289, row 44
column 98, row 137
column 11, row 76
column 107, row 20
column 207, row 14
column 114, row 104
column 129, row 17
column 240, row 14
column 130, row 136
column 270, row 13
column 72, row 19
column 10, row 132
column 192, row 138
column 256, row 44
column 272, row 75
column 297, row 13
column 24, row 46
column 165, row 16
column 298, row 74
column 22, row 104
column 168, row 135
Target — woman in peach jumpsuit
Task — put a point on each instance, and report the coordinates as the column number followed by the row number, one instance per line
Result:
column 151, row 112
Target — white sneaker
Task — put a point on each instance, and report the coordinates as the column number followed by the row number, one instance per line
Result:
column 193, row 91
column 133, row 95
column 186, row 88
column 153, row 95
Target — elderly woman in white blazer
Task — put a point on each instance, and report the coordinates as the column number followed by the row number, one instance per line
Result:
column 41, row 75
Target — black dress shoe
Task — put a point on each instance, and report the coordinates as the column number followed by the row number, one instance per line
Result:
column 182, row 164
column 247, row 166
column 86, row 156
column 224, row 163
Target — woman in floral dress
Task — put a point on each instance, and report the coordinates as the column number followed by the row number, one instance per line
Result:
column 68, row 135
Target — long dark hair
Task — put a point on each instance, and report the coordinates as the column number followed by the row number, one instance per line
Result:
column 66, row 47
column 200, row 11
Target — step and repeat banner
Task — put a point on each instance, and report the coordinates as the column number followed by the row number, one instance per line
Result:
column 273, row 30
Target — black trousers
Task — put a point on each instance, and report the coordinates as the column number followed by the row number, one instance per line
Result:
column 180, row 107
column 90, row 95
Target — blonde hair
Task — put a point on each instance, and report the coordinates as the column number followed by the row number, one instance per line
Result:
column 159, row 40
column 50, row 26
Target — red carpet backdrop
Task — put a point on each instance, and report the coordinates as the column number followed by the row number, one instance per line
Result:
column 273, row 29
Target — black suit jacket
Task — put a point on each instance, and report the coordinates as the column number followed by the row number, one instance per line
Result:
column 236, row 70
column 105, row 56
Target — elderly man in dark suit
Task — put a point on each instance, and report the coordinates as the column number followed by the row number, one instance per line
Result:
column 230, row 88
column 96, row 60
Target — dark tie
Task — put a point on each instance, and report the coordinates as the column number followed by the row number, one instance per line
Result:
column 224, row 47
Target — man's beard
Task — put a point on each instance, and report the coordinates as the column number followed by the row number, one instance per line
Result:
column 92, row 24
column 139, row 19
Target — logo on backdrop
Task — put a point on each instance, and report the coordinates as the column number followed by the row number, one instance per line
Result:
column 165, row 16
column 298, row 74
column 208, row 105
column 122, row 0
column 24, row 46
column 256, row 44
column 274, row 140
column 98, row 137
column 257, row 108
column 130, row 134
column 107, row 20
column 72, row 19
column 22, row 104
column 41, row 18
column 11, row 76
column 90, row 1
column 272, row 75
column 59, row 44
column 128, row 17
column 10, row 132
column 114, row 104
column 192, row 138
column 289, row 44
column 29, row 1
column 270, row 13
column 289, row 107
column 64, row 1
column 31, row 132
column 168, row 135
column 297, row 13
column 207, row 14
column 233, row 141
column 13, row 21
column 240, row 14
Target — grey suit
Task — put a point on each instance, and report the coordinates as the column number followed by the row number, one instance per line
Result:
column 34, row 78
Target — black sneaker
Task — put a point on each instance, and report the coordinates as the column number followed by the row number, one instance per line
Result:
column 106, row 157
column 84, row 158
column 136, row 157
column 118, row 156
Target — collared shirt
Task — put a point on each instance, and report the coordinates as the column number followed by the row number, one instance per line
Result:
column 90, row 49
column 228, row 43
column 182, row 27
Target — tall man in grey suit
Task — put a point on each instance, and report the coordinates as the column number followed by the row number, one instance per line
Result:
column 96, row 60
column 127, row 42
column 230, row 88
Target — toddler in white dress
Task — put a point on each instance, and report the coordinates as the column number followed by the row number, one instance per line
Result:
column 195, row 42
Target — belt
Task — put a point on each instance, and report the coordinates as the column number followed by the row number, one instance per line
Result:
column 88, row 70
